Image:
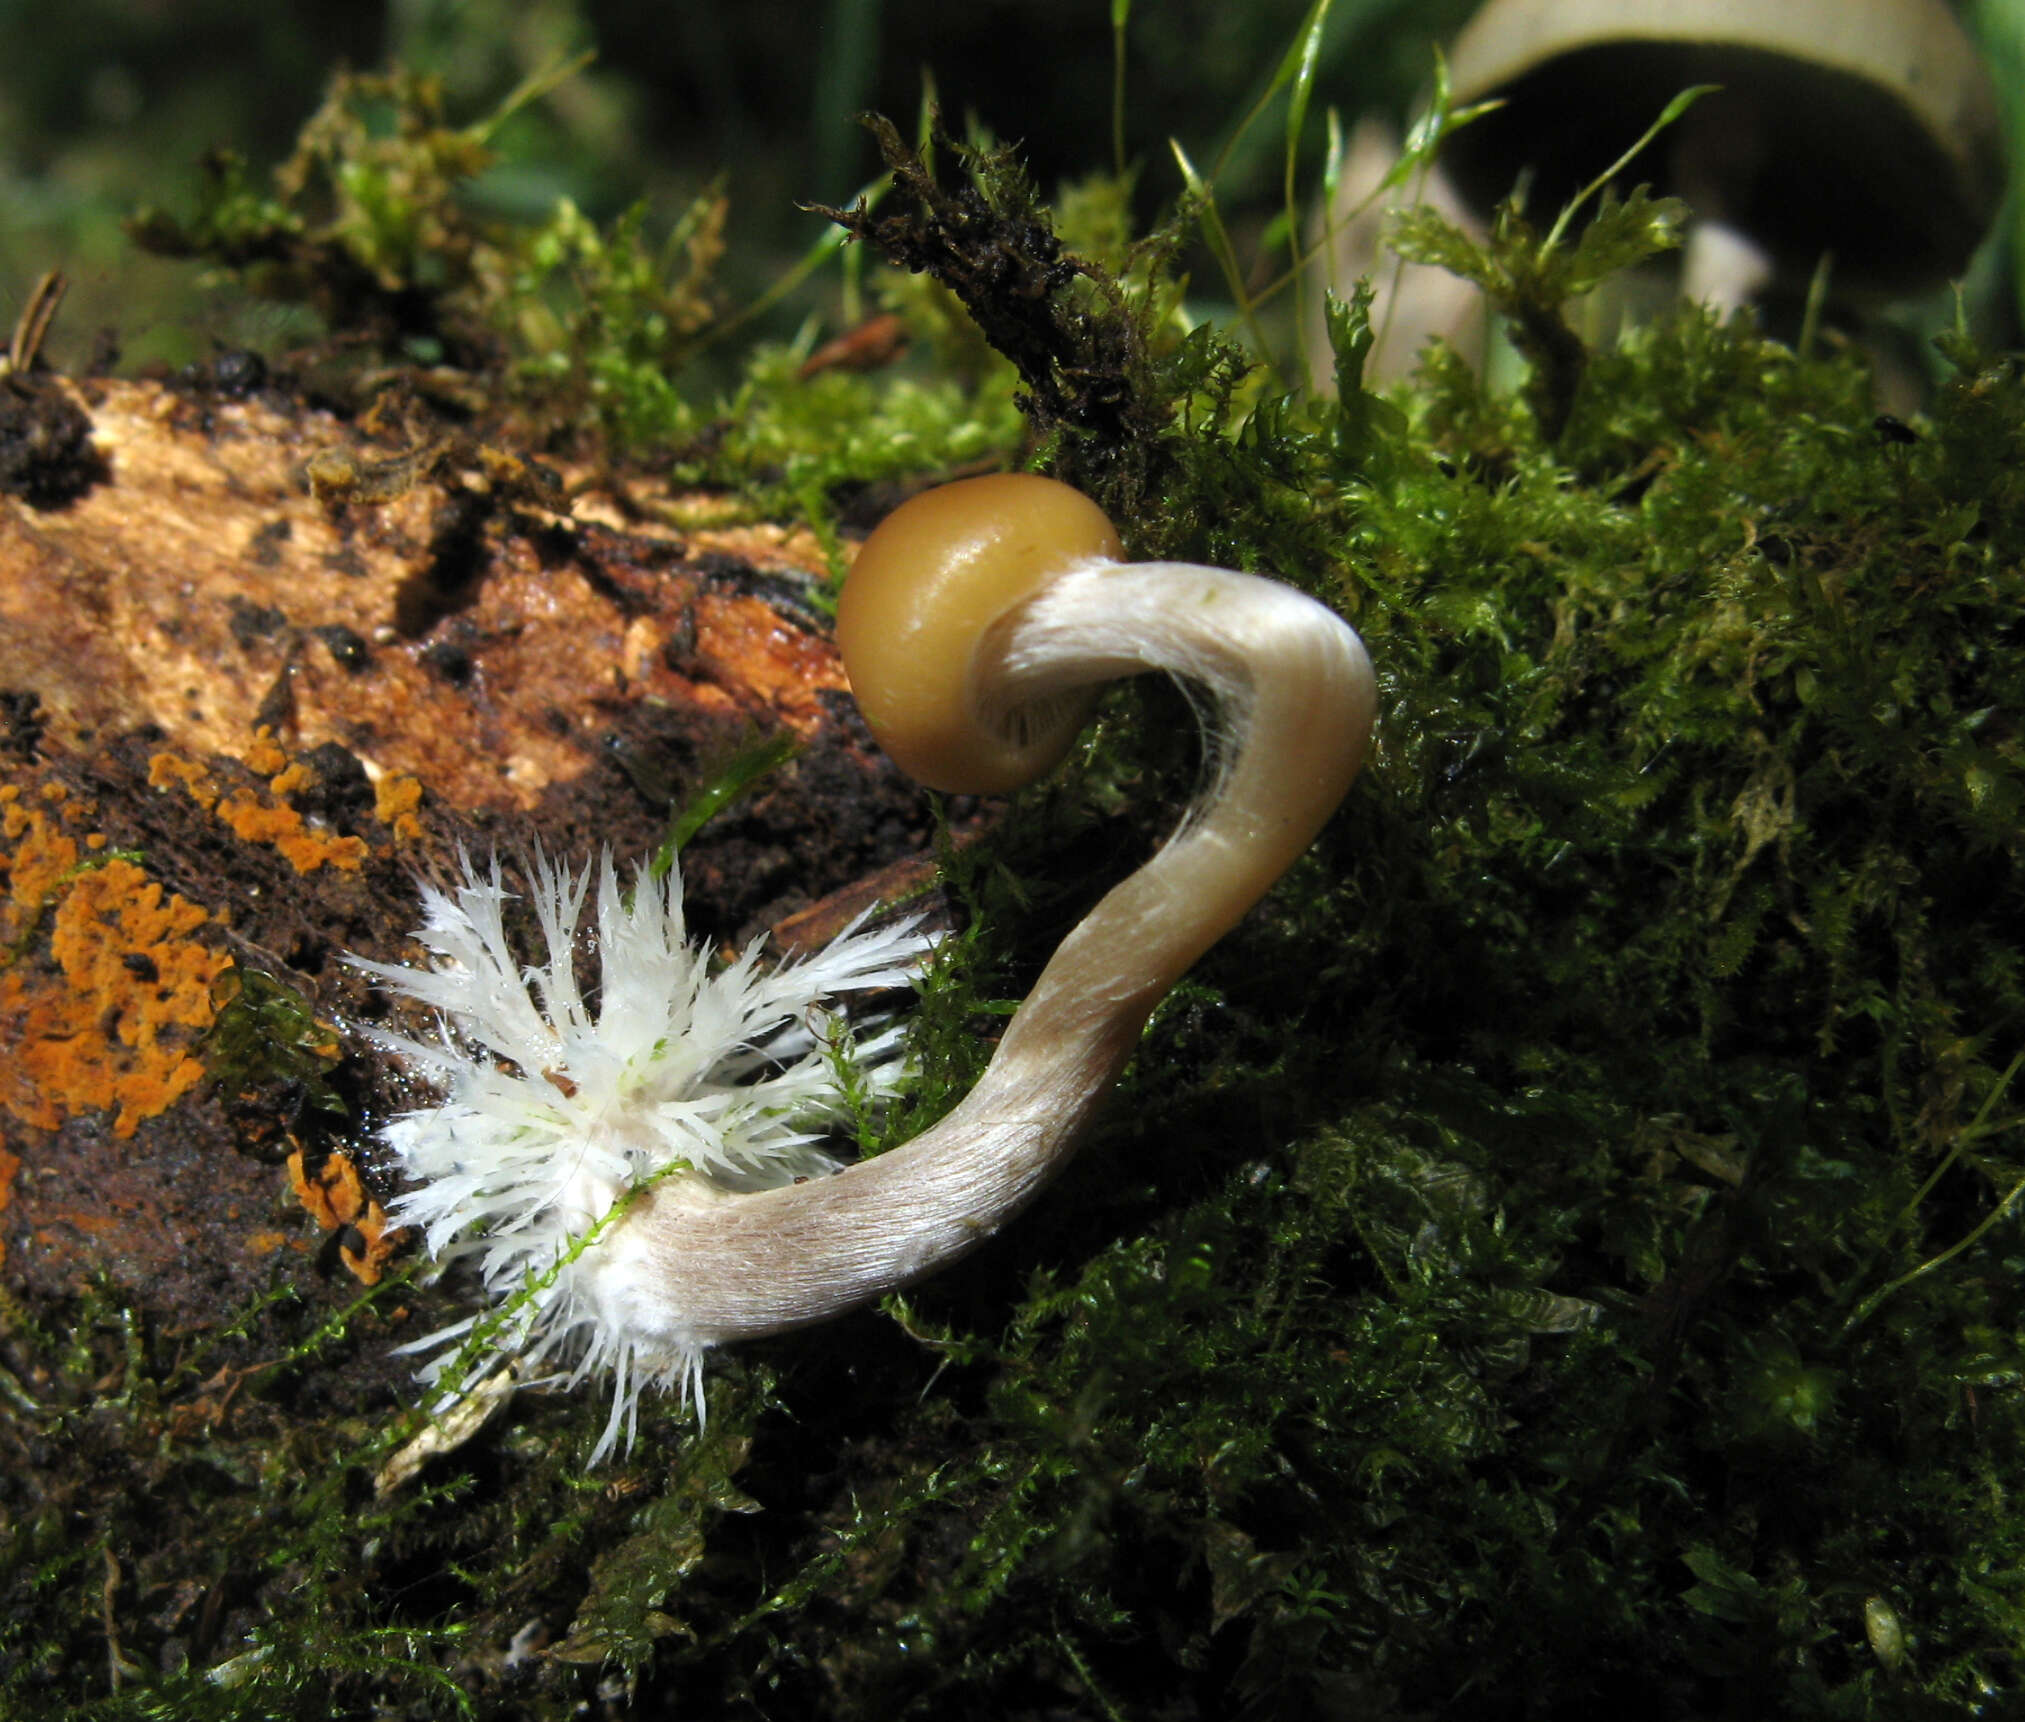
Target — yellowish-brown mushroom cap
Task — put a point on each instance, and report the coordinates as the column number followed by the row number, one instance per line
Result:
column 938, row 571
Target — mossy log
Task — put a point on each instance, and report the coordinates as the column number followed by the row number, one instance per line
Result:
column 263, row 671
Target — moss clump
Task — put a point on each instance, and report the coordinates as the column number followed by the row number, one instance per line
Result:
column 567, row 331
column 796, row 438
column 369, row 222
column 1077, row 340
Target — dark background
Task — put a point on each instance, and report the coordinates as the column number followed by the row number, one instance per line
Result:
column 107, row 104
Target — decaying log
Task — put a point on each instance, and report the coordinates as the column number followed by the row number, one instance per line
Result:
column 261, row 669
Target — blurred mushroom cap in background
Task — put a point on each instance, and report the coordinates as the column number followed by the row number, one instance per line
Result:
column 1866, row 130
column 1863, row 132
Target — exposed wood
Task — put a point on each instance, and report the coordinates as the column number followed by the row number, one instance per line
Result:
column 278, row 702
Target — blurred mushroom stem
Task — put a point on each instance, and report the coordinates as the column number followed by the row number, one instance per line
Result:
column 1722, row 267
column 1414, row 301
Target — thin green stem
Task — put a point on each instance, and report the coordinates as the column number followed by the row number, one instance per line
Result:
column 1870, row 1304
column 1671, row 112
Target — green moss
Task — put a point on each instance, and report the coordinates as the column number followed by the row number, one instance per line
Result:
column 272, row 1061
column 370, row 222
column 1636, row 1039
column 787, row 440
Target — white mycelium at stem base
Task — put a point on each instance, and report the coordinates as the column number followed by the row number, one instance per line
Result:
column 974, row 624
column 553, row 1110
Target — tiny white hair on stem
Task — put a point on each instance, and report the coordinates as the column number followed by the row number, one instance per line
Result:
column 645, row 1182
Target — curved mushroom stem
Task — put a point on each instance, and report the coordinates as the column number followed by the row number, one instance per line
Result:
column 1292, row 702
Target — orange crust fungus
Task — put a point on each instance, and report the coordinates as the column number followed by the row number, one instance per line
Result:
column 113, row 1018
column 267, row 821
column 335, row 1197
column 395, row 799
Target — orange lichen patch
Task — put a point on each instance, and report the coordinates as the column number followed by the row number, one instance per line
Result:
column 39, row 856
column 117, row 1026
column 336, row 1197
column 305, row 848
column 254, row 820
column 267, row 756
column 172, row 771
column 395, row 799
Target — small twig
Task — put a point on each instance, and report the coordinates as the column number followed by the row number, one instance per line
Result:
column 31, row 328
column 115, row 1663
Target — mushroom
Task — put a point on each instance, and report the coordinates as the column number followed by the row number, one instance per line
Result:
column 607, row 1166
column 1862, row 130
column 974, row 625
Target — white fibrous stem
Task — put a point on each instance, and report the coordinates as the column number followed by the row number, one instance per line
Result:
column 1291, row 697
